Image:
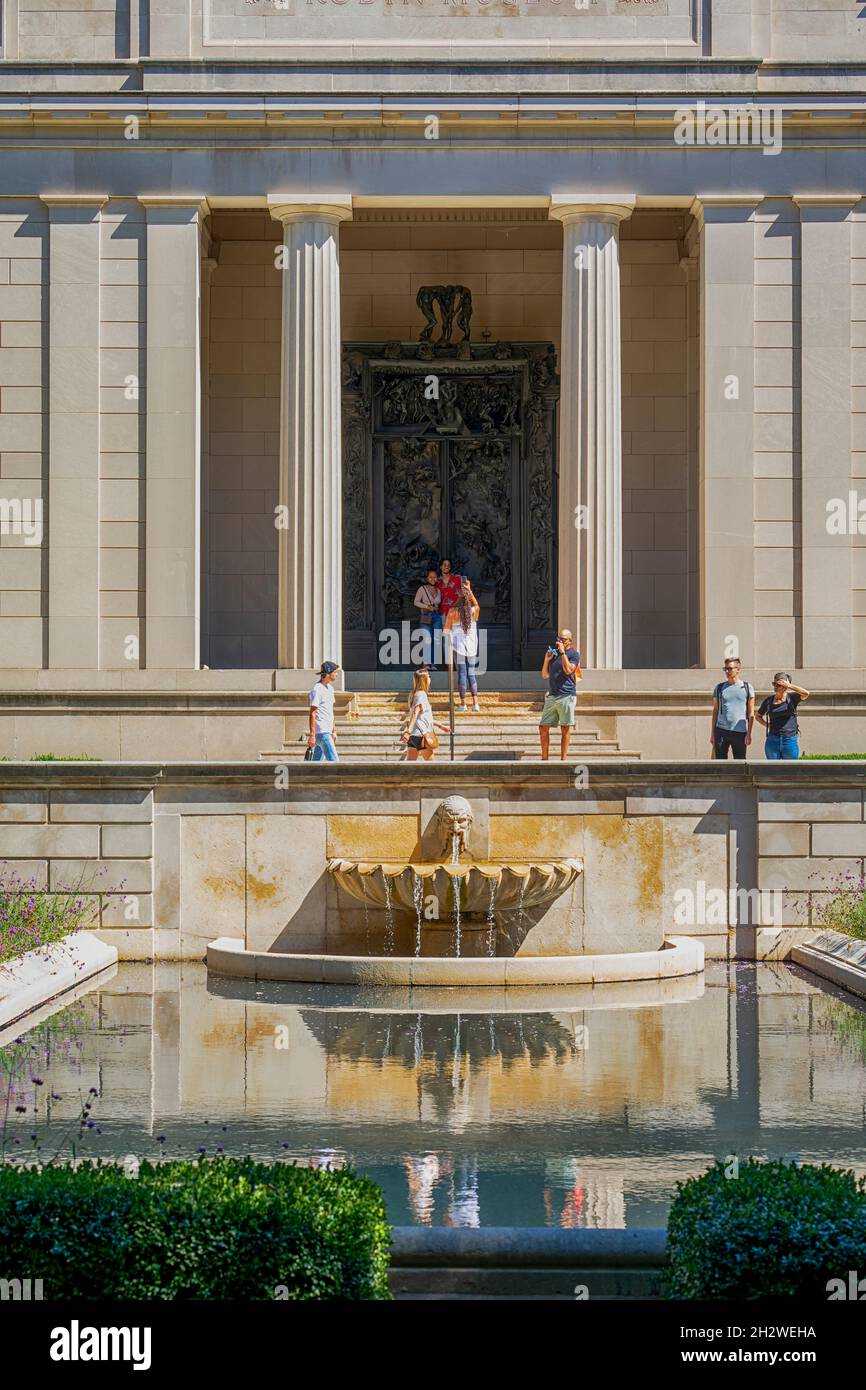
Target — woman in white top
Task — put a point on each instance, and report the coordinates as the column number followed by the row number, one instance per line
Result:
column 421, row 721
column 462, row 624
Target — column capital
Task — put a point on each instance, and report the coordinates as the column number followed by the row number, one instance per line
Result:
column 821, row 201
column 725, row 205
column 74, row 204
column 62, row 200
column 578, row 207
column 190, row 203
column 310, row 207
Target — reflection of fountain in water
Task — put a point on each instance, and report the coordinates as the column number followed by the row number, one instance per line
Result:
column 455, row 1066
column 491, row 920
column 417, row 898
column 389, row 917
column 419, row 1042
column 464, row 1209
column 366, row 916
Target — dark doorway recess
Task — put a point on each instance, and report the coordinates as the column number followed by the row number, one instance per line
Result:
column 449, row 452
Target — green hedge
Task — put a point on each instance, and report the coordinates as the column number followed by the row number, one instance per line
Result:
column 832, row 757
column 211, row 1229
column 776, row 1229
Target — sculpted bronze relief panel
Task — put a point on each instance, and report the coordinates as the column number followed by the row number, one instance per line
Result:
column 450, row 451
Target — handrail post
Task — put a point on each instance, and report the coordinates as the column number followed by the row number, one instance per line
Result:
column 447, row 636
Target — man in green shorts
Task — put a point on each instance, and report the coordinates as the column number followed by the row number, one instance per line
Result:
column 561, row 670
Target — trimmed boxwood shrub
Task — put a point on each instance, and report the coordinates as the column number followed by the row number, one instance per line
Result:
column 210, row 1229
column 777, row 1229
column 832, row 757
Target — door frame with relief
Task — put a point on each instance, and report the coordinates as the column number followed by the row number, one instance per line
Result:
column 449, row 450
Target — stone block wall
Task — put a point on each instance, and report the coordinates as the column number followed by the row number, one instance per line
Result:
column 512, row 266
column 809, row 842
column 858, row 412
column 23, row 436
column 73, row 30
column 122, row 445
column 95, row 844
column 777, row 432
column 741, row 857
column 656, row 486
column 243, row 444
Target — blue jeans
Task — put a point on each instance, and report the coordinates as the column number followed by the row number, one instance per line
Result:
column 324, row 751
column 437, row 622
column 465, row 668
column 782, row 747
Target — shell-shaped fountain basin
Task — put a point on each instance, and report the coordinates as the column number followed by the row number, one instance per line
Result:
column 483, row 884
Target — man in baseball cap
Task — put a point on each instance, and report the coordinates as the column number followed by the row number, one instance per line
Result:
column 322, row 735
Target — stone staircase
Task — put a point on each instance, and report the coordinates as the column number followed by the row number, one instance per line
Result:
column 505, row 730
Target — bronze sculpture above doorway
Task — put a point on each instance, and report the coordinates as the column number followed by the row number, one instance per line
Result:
column 452, row 300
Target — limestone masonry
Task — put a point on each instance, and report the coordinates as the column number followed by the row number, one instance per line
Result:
column 205, row 205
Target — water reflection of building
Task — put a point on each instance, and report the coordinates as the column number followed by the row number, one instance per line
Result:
column 470, row 1119
column 580, row 1194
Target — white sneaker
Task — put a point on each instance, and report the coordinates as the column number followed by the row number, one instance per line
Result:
column 476, row 708
column 461, row 709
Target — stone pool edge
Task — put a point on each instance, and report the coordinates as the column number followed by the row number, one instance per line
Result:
column 527, row 1262
column 838, row 972
column 39, row 976
column 678, row 956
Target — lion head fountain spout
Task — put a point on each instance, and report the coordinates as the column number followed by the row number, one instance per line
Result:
column 454, row 820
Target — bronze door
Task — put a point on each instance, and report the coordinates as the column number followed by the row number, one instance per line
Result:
column 448, row 458
column 451, row 498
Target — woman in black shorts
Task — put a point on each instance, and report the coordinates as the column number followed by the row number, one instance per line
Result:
column 421, row 721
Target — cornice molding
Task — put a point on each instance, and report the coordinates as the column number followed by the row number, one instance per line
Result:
column 629, row 110
column 508, row 216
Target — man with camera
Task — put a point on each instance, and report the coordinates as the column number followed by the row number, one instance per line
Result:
column 561, row 670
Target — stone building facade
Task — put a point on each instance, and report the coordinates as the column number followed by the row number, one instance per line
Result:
column 203, row 201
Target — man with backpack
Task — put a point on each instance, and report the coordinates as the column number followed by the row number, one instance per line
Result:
column 733, row 713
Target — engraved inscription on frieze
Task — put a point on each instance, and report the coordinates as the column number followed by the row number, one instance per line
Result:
column 269, row 23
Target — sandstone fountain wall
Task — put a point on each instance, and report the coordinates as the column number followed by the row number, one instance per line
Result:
column 176, row 855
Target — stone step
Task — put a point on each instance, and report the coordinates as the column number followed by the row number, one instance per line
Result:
column 476, row 729
column 505, row 728
column 383, row 737
column 492, row 706
column 387, row 700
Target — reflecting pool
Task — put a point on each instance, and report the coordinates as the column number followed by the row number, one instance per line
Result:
column 562, row 1107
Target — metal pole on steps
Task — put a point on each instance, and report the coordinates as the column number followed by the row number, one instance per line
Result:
column 447, row 636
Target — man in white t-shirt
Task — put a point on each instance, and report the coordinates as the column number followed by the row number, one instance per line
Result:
column 322, row 734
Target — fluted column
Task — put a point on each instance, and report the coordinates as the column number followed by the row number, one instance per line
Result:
column 590, row 426
column 310, row 535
